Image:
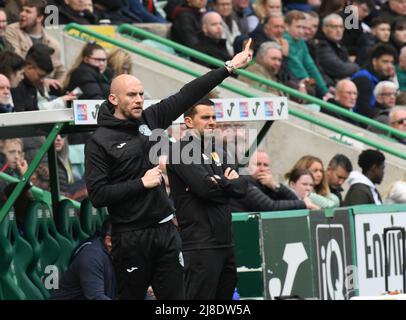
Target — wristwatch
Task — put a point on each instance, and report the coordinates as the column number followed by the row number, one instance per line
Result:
column 230, row 65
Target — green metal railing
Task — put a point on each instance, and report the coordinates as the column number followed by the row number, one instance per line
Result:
column 38, row 193
column 132, row 30
column 296, row 113
column 33, row 166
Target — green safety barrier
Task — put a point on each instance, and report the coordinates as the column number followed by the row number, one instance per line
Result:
column 39, row 194
column 322, row 255
column 296, row 113
column 248, row 256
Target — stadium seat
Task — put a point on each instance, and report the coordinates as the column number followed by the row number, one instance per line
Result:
column 91, row 219
column 159, row 46
column 64, row 243
column 68, row 223
column 45, row 247
column 16, row 255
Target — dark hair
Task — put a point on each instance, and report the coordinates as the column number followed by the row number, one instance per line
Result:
column 8, row 190
column 10, row 63
column 40, row 5
column 106, row 227
column 192, row 110
column 89, row 48
column 398, row 22
column 331, row 6
column 369, row 158
column 379, row 20
column 39, row 55
column 295, row 174
column 383, row 49
column 340, row 160
column 369, row 3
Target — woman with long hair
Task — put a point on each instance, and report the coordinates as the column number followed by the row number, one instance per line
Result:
column 12, row 66
column 119, row 61
column 301, row 182
column 321, row 195
column 90, row 73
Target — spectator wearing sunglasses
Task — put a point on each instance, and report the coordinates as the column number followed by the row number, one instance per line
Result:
column 397, row 118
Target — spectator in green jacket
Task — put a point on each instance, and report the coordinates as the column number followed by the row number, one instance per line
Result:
column 401, row 69
column 300, row 63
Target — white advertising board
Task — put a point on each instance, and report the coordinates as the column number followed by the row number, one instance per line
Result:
column 227, row 110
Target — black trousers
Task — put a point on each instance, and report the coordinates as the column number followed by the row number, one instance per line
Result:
column 149, row 257
column 210, row 274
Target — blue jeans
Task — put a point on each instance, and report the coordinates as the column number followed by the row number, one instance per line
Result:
column 138, row 9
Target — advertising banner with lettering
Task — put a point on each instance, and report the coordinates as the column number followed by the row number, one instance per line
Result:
column 227, row 110
column 286, row 254
column 369, row 229
column 332, row 255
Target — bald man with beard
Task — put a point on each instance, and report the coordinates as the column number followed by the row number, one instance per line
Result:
column 210, row 38
column 121, row 175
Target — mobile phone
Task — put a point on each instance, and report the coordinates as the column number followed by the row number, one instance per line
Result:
column 77, row 91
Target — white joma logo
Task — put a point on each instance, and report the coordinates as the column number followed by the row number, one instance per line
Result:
column 121, row 145
column 132, row 269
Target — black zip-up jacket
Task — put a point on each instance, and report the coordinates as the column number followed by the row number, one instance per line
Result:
column 116, row 157
column 261, row 198
column 334, row 60
column 202, row 205
column 25, row 97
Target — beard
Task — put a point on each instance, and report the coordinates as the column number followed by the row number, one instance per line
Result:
column 5, row 100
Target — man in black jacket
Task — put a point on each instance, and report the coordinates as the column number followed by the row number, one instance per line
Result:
column 38, row 66
column 187, row 22
column 332, row 56
column 337, row 172
column 120, row 175
column 363, row 185
column 210, row 38
column 263, row 193
column 201, row 188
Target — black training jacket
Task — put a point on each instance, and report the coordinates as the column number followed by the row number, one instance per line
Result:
column 202, row 205
column 117, row 157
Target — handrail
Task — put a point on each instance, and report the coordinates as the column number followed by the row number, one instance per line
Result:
column 216, row 62
column 296, row 113
column 38, row 193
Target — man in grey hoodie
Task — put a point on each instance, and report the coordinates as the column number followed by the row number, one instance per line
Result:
column 362, row 185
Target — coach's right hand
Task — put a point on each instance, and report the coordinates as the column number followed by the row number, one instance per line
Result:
column 152, row 178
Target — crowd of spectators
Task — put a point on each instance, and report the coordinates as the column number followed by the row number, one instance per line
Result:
column 349, row 53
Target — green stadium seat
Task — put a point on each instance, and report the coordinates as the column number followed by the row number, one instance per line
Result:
column 159, row 46
column 45, row 247
column 68, row 223
column 64, row 243
column 103, row 213
column 16, row 255
column 91, row 219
